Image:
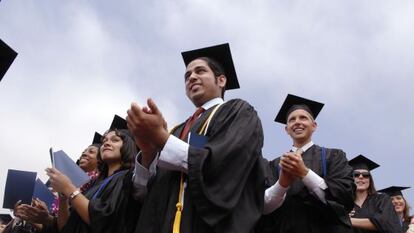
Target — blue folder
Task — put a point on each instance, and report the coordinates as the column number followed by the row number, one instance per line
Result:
column 67, row 166
column 19, row 186
column 43, row 193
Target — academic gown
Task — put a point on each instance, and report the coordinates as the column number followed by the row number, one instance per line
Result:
column 379, row 209
column 225, row 180
column 113, row 210
column 303, row 212
column 405, row 226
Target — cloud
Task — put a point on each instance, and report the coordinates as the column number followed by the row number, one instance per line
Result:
column 80, row 63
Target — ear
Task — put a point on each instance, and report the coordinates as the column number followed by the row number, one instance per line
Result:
column 286, row 130
column 221, row 81
column 314, row 126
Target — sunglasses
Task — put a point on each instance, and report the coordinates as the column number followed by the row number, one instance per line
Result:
column 364, row 174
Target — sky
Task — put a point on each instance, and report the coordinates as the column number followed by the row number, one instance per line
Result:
column 81, row 62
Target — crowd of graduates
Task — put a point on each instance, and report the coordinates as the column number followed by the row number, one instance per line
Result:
column 208, row 173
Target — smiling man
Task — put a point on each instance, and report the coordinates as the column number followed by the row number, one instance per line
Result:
column 312, row 187
column 207, row 175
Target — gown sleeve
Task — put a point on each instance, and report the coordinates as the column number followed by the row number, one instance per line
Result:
column 219, row 172
column 339, row 194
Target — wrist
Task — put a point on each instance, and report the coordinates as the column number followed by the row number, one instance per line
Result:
column 304, row 173
column 147, row 158
column 74, row 194
column 48, row 220
column 283, row 184
column 163, row 140
column 69, row 191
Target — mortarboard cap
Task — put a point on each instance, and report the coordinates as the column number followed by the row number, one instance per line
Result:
column 118, row 123
column 19, row 186
column 7, row 56
column 97, row 138
column 362, row 162
column 293, row 102
column 393, row 190
column 219, row 53
column 5, row 218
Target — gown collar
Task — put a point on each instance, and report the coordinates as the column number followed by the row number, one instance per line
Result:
column 304, row 148
column 212, row 103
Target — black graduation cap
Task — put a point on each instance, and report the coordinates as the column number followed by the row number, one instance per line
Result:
column 97, row 138
column 7, row 56
column 393, row 190
column 5, row 218
column 118, row 123
column 362, row 162
column 221, row 54
column 293, row 102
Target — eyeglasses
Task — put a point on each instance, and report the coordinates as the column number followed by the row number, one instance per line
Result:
column 364, row 174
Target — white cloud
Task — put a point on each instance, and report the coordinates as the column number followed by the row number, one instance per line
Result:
column 80, row 62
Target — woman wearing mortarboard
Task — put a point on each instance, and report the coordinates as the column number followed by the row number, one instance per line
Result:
column 108, row 205
column 37, row 214
column 373, row 212
column 400, row 205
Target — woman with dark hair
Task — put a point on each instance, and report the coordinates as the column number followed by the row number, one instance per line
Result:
column 373, row 212
column 108, row 206
column 36, row 216
column 400, row 205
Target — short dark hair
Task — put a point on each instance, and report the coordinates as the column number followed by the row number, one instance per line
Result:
column 216, row 68
column 128, row 153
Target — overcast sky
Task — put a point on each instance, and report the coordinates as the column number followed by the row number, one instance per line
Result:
column 81, row 62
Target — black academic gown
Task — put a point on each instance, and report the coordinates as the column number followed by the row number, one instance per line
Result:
column 405, row 226
column 113, row 210
column 225, row 181
column 301, row 211
column 380, row 211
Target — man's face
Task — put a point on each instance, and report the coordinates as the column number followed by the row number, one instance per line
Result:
column 300, row 126
column 200, row 83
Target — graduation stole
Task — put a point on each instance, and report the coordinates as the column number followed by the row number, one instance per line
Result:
column 179, row 205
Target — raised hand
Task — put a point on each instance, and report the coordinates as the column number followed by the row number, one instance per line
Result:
column 293, row 164
column 285, row 179
column 35, row 213
column 148, row 128
column 59, row 182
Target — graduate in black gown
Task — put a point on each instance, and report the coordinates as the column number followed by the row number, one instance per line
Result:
column 311, row 187
column 373, row 211
column 400, row 204
column 108, row 205
column 215, row 174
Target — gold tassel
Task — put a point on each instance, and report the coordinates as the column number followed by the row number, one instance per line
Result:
column 179, row 205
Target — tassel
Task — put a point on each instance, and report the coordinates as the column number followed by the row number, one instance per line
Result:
column 177, row 219
column 179, row 205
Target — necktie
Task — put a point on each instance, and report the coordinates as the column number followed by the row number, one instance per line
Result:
column 190, row 122
column 179, row 205
column 299, row 151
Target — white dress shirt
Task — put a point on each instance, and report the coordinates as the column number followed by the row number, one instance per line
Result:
column 174, row 157
column 175, row 153
column 275, row 195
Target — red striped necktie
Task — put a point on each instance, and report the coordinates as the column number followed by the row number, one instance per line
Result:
column 190, row 122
